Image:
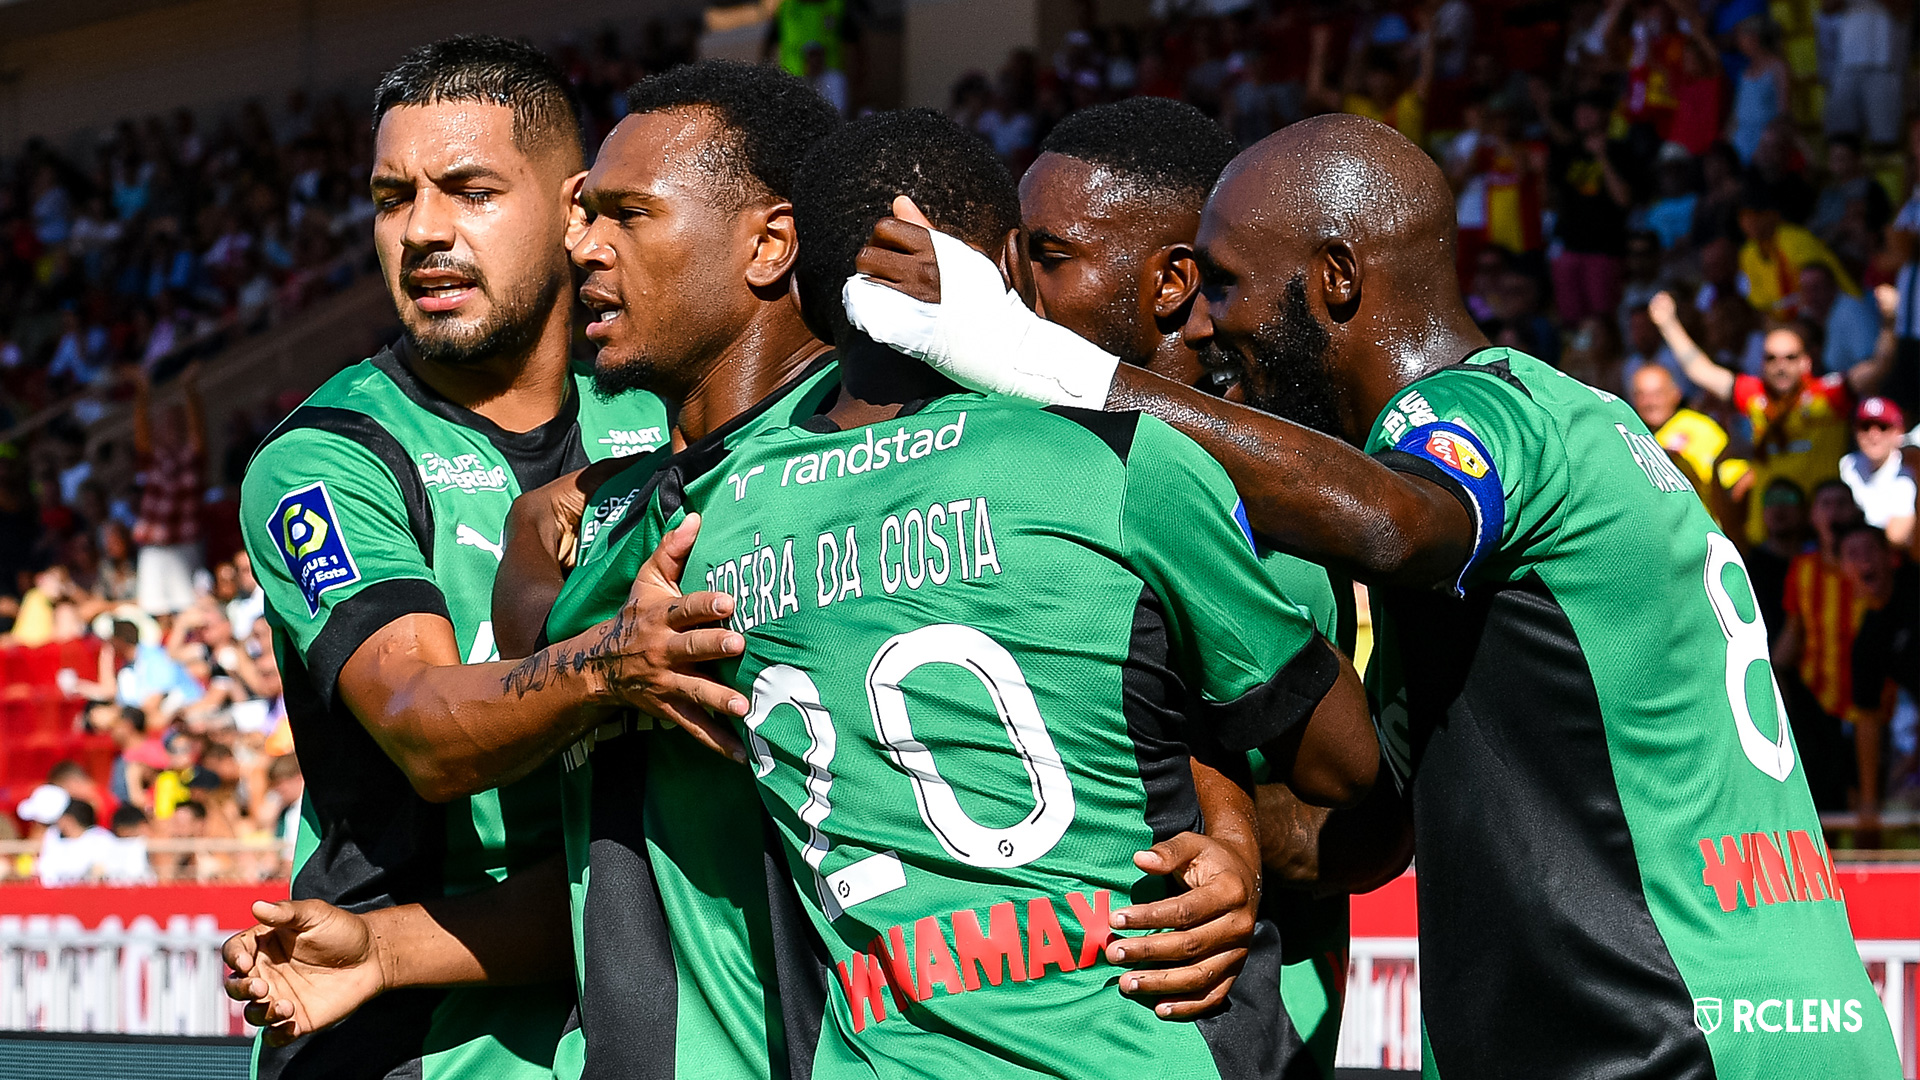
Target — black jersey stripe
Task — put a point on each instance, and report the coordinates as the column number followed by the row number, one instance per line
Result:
column 361, row 428
column 1276, row 707
column 1539, row 953
column 357, row 618
column 1116, row 429
column 630, row 998
column 800, row 963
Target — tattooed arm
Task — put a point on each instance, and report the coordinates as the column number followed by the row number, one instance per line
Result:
column 456, row 729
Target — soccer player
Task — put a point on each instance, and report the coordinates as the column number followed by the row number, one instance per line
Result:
column 1620, row 866
column 706, row 239
column 373, row 519
column 975, row 690
column 1110, row 209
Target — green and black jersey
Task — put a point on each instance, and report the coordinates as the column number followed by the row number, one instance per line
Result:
column 982, row 642
column 1620, row 868
column 667, row 853
column 376, row 499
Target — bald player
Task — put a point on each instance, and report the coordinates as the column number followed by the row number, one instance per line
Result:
column 1110, row 210
column 1621, row 871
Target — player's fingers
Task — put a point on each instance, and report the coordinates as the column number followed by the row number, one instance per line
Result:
column 1184, row 980
column 1170, row 855
column 669, row 560
column 910, row 273
column 240, row 950
column 1221, row 935
column 245, row 988
column 704, row 695
column 715, row 735
column 905, row 210
column 1221, row 896
column 266, row 1012
column 1188, row 1006
column 701, row 646
column 283, row 1033
column 701, row 608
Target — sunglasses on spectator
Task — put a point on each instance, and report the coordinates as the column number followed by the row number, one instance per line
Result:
column 1784, row 355
column 1873, row 425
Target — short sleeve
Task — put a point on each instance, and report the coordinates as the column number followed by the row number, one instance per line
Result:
column 1249, row 654
column 333, row 546
column 1484, row 441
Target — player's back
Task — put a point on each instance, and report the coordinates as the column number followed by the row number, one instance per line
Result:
column 1618, row 856
column 980, row 641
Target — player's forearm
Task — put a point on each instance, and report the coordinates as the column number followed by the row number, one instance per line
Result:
column 1316, row 496
column 512, row 933
column 1333, row 757
column 457, row 729
column 528, row 582
column 1329, row 852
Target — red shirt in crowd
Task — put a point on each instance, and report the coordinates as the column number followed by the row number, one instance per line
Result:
column 171, row 490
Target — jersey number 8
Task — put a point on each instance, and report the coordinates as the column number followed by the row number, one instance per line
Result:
column 958, row 833
column 1747, row 646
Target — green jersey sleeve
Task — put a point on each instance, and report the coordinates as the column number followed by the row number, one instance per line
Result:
column 1476, row 432
column 1248, row 653
column 334, row 547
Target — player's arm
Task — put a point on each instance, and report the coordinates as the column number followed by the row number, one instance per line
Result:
column 536, row 552
column 308, row 965
column 1329, row 852
column 1192, row 965
column 331, row 540
column 936, row 299
column 1699, row 367
column 456, row 728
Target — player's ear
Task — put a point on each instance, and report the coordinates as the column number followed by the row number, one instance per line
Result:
column 1173, row 280
column 576, row 214
column 776, row 245
column 1015, row 270
column 1339, row 273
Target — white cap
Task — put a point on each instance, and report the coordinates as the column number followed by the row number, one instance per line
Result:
column 45, row 805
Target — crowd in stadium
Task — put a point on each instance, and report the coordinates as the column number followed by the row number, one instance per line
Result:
column 1694, row 206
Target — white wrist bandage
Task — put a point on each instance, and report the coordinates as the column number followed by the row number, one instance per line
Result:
column 980, row 335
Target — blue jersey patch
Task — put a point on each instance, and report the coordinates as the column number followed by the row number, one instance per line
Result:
column 1240, row 519
column 1461, row 455
column 308, row 535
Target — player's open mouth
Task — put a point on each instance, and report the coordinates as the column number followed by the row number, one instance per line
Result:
column 603, row 310
column 438, row 291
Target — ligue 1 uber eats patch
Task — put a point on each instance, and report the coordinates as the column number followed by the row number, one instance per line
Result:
column 307, row 532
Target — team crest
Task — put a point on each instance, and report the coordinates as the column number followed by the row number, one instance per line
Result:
column 1706, row 1014
column 307, row 533
column 1456, row 453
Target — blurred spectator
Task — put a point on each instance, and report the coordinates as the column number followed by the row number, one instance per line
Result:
column 1372, row 83
column 1870, row 570
column 1591, row 197
column 1776, row 250
column 172, row 462
column 1864, row 87
column 76, row 848
column 1783, row 513
column 1852, row 208
column 829, row 82
column 1849, row 324
column 1812, row 652
column 131, row 864
column 800, row 25
column 1760, row 96
column 150, row 678
column 1693, row 436
column 1886, row 650
column 188, row 821
column 1883, row 487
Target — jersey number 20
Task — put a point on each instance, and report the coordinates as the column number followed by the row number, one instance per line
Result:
column 958, row 833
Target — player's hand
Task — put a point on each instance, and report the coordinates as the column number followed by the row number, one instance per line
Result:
column 307, row 966
column 1663, row 310
column 1887, row 299
column 1209, row 926
column 551, row 512
column 900, row 253
column 652, row 647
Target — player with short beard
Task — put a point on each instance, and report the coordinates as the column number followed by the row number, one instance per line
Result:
column 706, row 233
column 1110, row 209
column 373, row 518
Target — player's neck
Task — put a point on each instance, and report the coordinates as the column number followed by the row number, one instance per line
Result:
column 1394, row 358
column 876, row 382
column 518, row 389
column 756, row 364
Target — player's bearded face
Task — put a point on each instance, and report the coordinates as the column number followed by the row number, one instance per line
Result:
column 510, row 320
column 1286, row 369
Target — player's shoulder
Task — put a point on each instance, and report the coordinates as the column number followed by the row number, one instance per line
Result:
column 1494, row 386
column 342, row 431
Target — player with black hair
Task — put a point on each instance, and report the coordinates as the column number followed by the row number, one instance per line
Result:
column 976, row 698
column 1110, row 209
column 373, row 517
